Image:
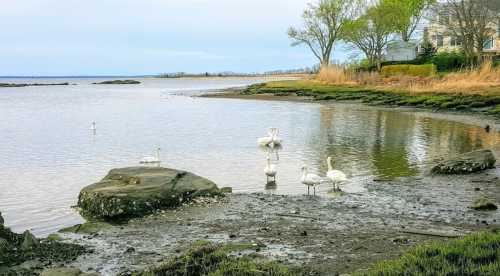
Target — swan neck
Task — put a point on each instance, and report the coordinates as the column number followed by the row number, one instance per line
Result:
column 329, row 161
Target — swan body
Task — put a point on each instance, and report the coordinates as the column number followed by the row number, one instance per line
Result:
column 270, row 170
column 335, row 176
column 152, row 159
column 310, row 179
column 276, row 141
column 265, row 141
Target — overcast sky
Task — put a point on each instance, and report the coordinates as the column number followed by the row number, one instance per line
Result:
column 131, row 37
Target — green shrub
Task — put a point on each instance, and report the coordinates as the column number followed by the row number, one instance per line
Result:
column 449, row 61
column 477, row 254
column 424, row 70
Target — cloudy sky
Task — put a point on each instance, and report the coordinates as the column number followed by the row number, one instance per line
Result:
column 132, row 37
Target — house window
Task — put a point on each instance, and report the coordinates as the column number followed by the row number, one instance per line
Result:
column 488, row 44
column 455, row 41
column 439, row 41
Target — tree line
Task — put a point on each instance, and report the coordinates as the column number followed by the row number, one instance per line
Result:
column 370, row 25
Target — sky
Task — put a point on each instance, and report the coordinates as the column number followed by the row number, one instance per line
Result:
column 140, row 37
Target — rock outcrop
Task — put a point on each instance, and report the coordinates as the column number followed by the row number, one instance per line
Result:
column 119, row 82
column 137, row 191
column 24, row 254
column 467, row 163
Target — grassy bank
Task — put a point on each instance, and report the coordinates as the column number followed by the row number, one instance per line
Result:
column 487, row 102
column 477, row 254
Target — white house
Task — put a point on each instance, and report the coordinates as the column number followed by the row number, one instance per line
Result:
column 401, row 50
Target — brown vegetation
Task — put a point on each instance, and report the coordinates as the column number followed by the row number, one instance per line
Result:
column 482, row 80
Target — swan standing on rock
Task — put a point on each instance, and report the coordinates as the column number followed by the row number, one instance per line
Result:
column 152, row 159
column 335, row 176
column 270, row 170
column 310, row 179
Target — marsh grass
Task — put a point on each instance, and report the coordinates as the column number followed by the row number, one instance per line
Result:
column 484, row 80
column 477, row 254
column 205, row 258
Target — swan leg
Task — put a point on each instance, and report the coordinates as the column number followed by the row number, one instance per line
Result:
column 308, row 190
column 314, row 188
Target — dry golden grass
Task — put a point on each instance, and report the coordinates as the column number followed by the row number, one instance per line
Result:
column 335, row 75
column 483, row 80
column 477, row 80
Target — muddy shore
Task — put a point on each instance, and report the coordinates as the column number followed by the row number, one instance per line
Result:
column 325, row 235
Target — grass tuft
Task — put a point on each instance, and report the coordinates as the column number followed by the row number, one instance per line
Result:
column 205, row 258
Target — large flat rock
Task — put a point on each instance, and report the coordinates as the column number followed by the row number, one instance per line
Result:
column 467, row 163
column 137, row 191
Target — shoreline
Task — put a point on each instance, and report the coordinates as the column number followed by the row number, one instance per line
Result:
column 474, row 118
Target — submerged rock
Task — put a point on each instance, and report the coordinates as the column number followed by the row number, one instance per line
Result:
column 137, row 191
column 484, row 204
column 467, row 163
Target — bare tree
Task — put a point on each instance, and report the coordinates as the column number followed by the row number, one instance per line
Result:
column 323, row 24
column 473, row 22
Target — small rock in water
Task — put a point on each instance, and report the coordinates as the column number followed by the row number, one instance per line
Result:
column 484, row 204
column 232, row 236
column 130, row 250
column 303, row 233
column 477, row 189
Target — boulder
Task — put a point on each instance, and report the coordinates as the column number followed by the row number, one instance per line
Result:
column 65, row 271
column 467, row 163
column 1, row 219
column 137, row 191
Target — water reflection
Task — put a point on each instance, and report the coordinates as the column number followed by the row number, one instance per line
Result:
column 388, row 144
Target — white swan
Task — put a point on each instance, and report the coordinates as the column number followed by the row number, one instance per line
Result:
column 335, row 176
column 310, row 179
column 276, row 139
column 152, row 159
column 265, row 141
column 93, row 127
column 270, row 170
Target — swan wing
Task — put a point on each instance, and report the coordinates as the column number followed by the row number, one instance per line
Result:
column 335, row 175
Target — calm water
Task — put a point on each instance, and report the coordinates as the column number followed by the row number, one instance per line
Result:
column 48, row 152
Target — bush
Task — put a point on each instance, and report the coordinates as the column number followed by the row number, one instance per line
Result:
column 449, row 61
column 424, row 70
